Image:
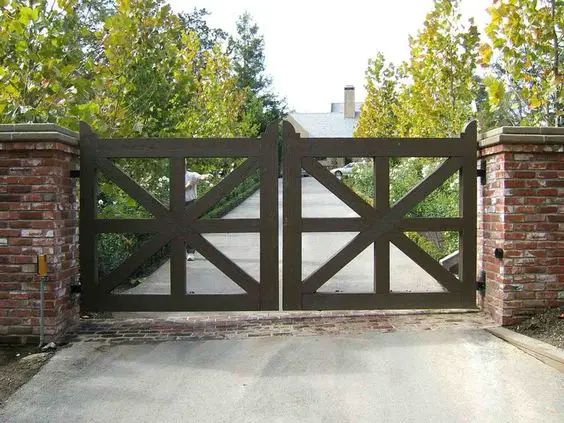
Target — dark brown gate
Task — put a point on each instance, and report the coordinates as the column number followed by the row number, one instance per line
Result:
column 380, row 224
column 177, row 225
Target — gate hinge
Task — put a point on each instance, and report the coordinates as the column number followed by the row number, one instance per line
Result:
column 75, row 289
column 481, row 282
column 75, row 173
column 481, row 172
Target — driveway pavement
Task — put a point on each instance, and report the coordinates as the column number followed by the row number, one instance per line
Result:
column 426, row 376
column 204, row 278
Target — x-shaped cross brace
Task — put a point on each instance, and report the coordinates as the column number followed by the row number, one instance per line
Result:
column 174, row 226
column 380, row 223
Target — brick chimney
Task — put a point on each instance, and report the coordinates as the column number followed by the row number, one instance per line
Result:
column 349, row 102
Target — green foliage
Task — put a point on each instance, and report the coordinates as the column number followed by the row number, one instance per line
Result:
column 404, row 175
column 524, row 56
column 127, row 67
column 155, row 79
column 361, row 180
column 114, row 248
column 195, row 21
column 430, row 95
column 42, row 68
column 438, row 100
column 492, row 117
column 378, row 117
column 247, row 50
column 438, row 248
column 134, row 68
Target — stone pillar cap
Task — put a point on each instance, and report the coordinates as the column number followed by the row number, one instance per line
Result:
column 522, row 135
column 38, row 132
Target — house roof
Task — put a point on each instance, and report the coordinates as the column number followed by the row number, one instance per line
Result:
column 326, row 124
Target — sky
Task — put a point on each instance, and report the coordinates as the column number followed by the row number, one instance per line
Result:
column 314, row 48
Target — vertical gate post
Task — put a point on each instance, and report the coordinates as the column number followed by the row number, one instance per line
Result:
column 467, row 210
column 269, row 268
column 177, row 244
column 88, row 250
column 382, row 244
column 292, row 207
column 38, row 216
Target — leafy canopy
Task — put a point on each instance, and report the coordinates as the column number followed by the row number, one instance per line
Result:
column 523, row 57
column 431, row 94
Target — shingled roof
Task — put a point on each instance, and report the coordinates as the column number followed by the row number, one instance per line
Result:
column 323, row 124
column 333, row 124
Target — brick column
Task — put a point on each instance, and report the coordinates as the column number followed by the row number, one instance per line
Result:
column 521, row 212
column 38, row 215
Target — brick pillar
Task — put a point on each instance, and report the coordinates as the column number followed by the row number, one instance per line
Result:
column 521, row 211
column 38, row 215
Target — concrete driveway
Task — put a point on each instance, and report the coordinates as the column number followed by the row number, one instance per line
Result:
column 204, row 278
column 428, row 376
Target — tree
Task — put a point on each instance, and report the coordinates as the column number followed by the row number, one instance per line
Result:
column 524, row 56
column 378, row 117
column 195, row 21
column 438, row 100
column 247, row 51
column 492, row 117
column 431, row 95
column 155, row 79
column 42, row 67
column 129, row 68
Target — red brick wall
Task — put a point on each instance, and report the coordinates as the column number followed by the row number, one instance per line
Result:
column 522, row 212
column 38, row 215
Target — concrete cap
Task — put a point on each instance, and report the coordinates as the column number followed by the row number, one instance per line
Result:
column 522, row 135
column 37, row 132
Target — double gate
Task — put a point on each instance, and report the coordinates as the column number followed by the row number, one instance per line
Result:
column 177, row 225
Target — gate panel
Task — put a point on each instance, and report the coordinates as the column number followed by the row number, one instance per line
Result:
column 179, row 224
column 381, row 224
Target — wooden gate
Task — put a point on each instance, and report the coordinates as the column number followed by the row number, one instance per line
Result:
column 380, row 224
column 177, row 225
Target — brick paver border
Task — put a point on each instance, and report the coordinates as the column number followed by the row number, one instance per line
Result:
column 208, row 326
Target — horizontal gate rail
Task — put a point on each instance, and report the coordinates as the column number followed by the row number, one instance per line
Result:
column 177, row 147
column 152, row 225
column 381, row 147
column 379, row 224
column 175, row 225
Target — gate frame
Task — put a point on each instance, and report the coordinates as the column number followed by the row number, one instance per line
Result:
column 381, row 224
column 178, row 224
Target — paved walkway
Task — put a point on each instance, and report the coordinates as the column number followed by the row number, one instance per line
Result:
column 204, row 278
column 424, row 376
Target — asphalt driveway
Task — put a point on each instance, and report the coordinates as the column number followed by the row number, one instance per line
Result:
column 204, row 278
column 427, row 376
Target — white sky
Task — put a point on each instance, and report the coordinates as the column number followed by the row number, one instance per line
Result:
column 314, row 48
